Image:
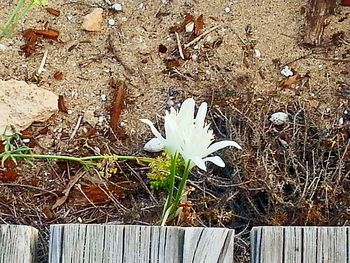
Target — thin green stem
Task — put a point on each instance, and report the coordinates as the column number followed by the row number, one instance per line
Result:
column 24, row 13
column 78, row 159
column 182, row 185
column 170, row 197
column 7, row 28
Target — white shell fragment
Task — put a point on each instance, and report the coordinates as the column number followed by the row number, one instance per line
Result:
column 279, row 118
column 286, row 72
column 154, row 145
column 117, row 7
column 189, row 27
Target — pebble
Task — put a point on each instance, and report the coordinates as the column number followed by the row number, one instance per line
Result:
column 26, row 140
column 257, row 53
column 93, row 21
column 103, row 97
column 279, row 118
column 3, row 47
column 227, row 10
column 117, row 7
column 154, row 145
column 286, row 72
column 111, row 22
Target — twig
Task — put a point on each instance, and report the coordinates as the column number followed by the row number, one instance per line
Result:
column 42, row 64
column 179, row 45
column 115, row 54
column 201, row 36
column 29, row 186
column 334, row 59
column 142, row 183
column 60, row 201
column 77, row 125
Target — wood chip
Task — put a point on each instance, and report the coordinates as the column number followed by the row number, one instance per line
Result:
column 199, row 25
column 58, row 75
column 118, row 104
column 52, row 11
column 62, row 104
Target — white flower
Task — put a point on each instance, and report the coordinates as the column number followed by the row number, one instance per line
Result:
column 189, row 136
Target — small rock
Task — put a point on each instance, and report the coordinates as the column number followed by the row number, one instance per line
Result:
column 93, row 21
column 286, row 72
column 111, row 22
column 117, row 7
column 22, row 104
column 341, row 121
column 194, row 57
column 227, row 10
column 189, row 27
column 257, row 53
column 3, row 47
column 154, row 145
column 103, row 97
column 279, row 118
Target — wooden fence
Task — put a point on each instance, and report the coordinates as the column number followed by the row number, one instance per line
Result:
column 80, row 243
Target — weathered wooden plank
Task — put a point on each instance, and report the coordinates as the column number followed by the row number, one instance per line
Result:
column 18, row 243
column 139, row 244
column 212, row 245
column 300, row 244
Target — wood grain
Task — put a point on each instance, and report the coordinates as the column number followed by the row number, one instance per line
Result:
column 300, row 244
column 18, row 244
column 139, row 244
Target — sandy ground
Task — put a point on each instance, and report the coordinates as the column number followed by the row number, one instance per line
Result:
column 275, row 29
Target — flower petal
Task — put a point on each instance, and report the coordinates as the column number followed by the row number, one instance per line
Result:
column 186, row 113
column 199, row 162
column 215, row 160
column 153, row 129
column 219, row 145
column 202, row 111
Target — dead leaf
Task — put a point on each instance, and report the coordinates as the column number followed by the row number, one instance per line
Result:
column 48, row 33
column 91, row 132
column 58, row 75
column 49, row 215
column 172, row 63
column 8, row 175
column 162, row 48
column 52, row 11
column 118, row 104
column 32, row 36
column 60, row 201
column 287, row 83
column 62, row 104
column 199, row 25
column 178, row 28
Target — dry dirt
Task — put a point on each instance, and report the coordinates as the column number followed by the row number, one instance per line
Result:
column 238, row 86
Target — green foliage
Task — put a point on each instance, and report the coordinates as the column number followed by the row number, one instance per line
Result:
column 12, row 145
column 159, row 175
column 19, row 12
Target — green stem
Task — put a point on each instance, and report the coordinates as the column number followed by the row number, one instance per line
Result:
column 24, row 13
column 9, row 23
column 79, row 159
column 170, row 197
column 181, row 186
